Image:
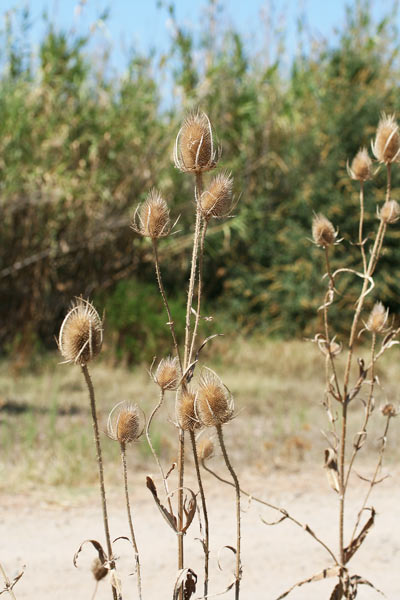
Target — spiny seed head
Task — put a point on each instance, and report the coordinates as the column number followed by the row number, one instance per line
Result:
column 323, row 232
column 214, row 404
column 194, row 147
column 167, row 373
column 98, row 569
column 390, row 212
column 216, row 201
column 81, row 333
column 125, row 423
column 361, row 167
column 389, row 410
column 185, row 411
column 205, row 448
column 386, row 146
column 377, row 318
column 151, row 218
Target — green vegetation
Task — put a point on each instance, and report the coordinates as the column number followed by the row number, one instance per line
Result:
column 79, row 149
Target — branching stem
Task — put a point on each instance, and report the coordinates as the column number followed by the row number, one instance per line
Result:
column 205, row 514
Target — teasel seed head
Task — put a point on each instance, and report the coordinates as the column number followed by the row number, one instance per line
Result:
column 378, row 318
column 168, row 373
column 152, row 218
column 214, row 403
column 194, row 146
column 185, row 410
column 125, row 423
column 216, row 201
column 81, row 333
column 389, row 410
column 323, row 232
column 361, row 166
column 386, row 145
column 205, row 448
column 98, row 569
column 390, row 212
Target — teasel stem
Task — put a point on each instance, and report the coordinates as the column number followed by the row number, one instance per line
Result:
column 368, row 407
column 360, row 228
column 205, row 514
column 154, row 453
column 199, row 287
column 283, row 511
column 171, row 323
column 181, row 465
column 92, row 398
column 375, row 475
column 237, row 489
column 326, row 324
column 128, row 510
column 7, row 582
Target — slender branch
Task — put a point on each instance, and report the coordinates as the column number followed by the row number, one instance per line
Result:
column 206, row 544
column 181, row 466
column 283, row 511
column 231, row 470
column 199, row 288
column 92, row 398
column 128, row 510
column 7, row 582
column 326, row 325
column 360, row 228
column 164, row 297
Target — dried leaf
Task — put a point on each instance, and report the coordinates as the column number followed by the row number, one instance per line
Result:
column 188, row 579
column 102, row 555
column 330, row 572
column 332, row 469
column 188, row 375
column 338, row 592
column 357, row 580
column 170, row 518
column 123, row 537
column 356, row 543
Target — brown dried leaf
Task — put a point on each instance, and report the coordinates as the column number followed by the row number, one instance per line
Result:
column 102, row 555
column 356, row 543
column 170, row 518
column 190, row 371
column 357, row 580
column 330, row 572
column 332, row 469
column 338, row 591
column 188, row 579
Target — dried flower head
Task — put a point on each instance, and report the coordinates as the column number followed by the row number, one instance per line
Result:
column 390, row 212
column 361, row 166
column 81, row 333
column 194, row 146
column 378, row 318
column 386, row 146
column 151, row 219
column 328, row 348
column 214, row 404
column 205, row 448
column 168, row 373
column 98, row 569
column 125, row 423
column 185, row 410
column 389, row 410
column 216, row 201
column 323, row 232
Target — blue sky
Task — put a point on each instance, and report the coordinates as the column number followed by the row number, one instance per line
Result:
column 143, row 24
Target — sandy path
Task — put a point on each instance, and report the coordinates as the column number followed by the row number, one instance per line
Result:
column 45, row 535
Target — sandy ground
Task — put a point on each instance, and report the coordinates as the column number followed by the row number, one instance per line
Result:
column 44, row 534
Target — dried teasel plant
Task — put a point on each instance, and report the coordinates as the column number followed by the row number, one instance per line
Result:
column 343, row 385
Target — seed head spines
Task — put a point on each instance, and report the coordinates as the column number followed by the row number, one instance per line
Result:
column 81, row 333
column 194, row 150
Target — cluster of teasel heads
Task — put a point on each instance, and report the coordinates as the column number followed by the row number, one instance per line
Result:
column 207, row 403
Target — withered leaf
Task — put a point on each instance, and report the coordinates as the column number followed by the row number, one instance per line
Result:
column 102, row 555
column 337, row 593
column 187, row 579
column 356, row 543
column 330, row 572
column 170, row 518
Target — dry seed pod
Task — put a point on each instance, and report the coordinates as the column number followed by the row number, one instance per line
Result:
column 98, row 569
column 185, row 411
column 389, row 410
column 81, row 333
column 151, row 218
column 205, row 448
column 361, row 166
column 125, row 423
column 323, row 232
column 214, row 405
column 377, row 318
column 167, row 373
column 194, row 146
column 386, row 146
column 390, row 212
column 216, row 201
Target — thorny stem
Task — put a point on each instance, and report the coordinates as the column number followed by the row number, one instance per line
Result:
column 154, row 453
column 237, row 489
column 128, row 510
column 367, row 409
column 164, row 297
column 89, row 384
column 283, row 511
column 7, row 582
column 199, row 288
column 205, row 514
column 373, row 480
column 326, row 326
column 360, row 228
column 181, row 464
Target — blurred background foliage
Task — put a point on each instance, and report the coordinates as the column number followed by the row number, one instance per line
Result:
column 79, row 148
